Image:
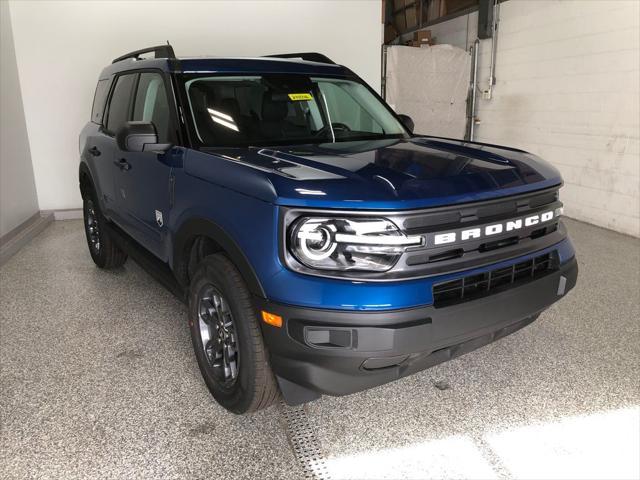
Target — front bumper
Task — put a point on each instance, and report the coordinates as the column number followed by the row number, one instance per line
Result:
column 341, row 352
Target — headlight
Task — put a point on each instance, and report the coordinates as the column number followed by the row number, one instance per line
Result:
column 369, row 244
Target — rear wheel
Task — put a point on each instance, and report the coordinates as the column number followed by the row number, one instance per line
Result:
column 104, row 252
column 227, row 340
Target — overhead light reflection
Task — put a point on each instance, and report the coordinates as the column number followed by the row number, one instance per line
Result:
column 431, row 459
column 223, row 119
column 304, row 191
column 217, row 113
column 601, row 445
column 595, row 446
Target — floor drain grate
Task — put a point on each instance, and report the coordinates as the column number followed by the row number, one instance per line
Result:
column 306, row 447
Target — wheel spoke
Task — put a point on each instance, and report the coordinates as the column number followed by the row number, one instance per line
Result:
column 217, row 332
column 93, row 229
column 230, row 367
column 218, row 303
column 207, row 310
column 208, row 350
column 233, row 368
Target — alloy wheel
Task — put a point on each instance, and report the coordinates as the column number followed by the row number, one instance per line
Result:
column 218, row 335
column 92, row 227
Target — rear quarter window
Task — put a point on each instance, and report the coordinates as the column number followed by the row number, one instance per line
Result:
column 99, row 99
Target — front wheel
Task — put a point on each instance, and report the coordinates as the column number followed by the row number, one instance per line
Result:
column 227, row 340
column 104, row 252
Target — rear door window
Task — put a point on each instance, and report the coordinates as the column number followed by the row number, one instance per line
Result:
column 118, row 113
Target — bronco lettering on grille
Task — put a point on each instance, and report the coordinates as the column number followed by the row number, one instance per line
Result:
column 493, row 229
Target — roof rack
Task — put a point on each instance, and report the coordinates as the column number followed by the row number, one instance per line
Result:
column 308, row 56
column 161, row 51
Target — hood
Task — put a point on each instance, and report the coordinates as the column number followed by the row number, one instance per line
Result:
column 399, row 173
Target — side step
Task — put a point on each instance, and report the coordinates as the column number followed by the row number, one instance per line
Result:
column 149, row 263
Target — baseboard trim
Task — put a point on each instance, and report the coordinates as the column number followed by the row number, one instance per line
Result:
column 66, row 214
column 13, row 241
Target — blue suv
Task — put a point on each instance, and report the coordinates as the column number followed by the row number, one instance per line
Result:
column 321, row 246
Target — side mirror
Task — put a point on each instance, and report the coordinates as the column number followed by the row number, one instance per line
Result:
column 139, row 137
column 407, row 122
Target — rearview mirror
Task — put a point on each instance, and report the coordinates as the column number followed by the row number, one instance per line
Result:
column 139, row 137
column 407, row 122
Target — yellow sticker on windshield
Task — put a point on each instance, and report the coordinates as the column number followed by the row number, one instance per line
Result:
column 298, row 97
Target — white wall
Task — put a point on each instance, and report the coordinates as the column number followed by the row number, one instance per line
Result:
column 568, row 89
column 61, row 46
column 18, row 199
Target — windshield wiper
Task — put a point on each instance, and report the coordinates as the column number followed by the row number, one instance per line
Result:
column 357, row 138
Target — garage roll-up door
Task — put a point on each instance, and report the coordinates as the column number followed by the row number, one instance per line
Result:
column 430, row 84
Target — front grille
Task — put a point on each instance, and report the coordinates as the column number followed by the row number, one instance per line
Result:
column 430, row 259
column 472, row 287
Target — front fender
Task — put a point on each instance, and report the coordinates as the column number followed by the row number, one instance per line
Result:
column 199, row 226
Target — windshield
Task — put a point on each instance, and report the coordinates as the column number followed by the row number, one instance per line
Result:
column 286, row 109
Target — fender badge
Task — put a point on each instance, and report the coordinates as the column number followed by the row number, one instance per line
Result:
column 562, row 285
column 159, row 220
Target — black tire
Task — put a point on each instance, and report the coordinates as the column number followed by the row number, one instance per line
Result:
column 254, row 386
column 104, row 252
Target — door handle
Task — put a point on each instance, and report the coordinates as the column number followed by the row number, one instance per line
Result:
column 94, row 151
column 122, row 164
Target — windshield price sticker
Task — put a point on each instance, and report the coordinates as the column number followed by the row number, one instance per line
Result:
column 298, row 97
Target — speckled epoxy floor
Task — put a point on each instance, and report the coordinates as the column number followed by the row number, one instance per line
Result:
column 98, row 380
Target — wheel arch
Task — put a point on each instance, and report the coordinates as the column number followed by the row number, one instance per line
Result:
column 85, row 179
column 205, row 236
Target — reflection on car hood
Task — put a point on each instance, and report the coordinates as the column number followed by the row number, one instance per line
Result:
column 398, row 173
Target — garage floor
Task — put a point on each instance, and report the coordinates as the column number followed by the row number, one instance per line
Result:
column 98, row 380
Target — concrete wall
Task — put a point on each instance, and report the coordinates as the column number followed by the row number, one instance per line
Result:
column 18, row 198
column 568, row 89
column 61, row 47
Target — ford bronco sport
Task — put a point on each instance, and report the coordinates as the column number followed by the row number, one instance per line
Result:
column 321, row 246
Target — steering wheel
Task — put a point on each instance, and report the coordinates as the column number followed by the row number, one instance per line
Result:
column 336, row 126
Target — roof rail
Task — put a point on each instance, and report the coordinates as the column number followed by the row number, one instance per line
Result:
column 308, row 56
column 161, row 51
